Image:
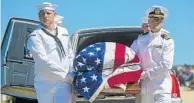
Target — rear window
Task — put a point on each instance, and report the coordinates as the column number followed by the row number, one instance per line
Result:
column 20, row 32
column 123, row 37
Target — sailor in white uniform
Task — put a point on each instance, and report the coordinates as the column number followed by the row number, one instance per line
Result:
column 156, row 51
column 53, row 56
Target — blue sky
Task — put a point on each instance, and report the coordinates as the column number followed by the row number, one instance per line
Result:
column 79, row 14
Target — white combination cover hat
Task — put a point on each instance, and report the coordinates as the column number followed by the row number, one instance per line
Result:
column 157, row 11
column 46, row 6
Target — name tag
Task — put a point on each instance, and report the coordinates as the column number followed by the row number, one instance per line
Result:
column 64, row 34
column 157, row 46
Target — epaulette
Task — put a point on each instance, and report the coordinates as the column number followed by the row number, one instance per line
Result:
column 144, row 34
column 165, row 36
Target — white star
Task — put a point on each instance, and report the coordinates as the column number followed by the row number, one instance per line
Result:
column 91, row 53
column 83, row 50
column 86, row 89
column 80, row 64
column 97, row 48
column 91, row 46
column 97, row 61
column 76, row 69
column 83, row 80
column 78, row 56
column 94, row 77
column 84, row 60
column 80, row 73
column 89, row 68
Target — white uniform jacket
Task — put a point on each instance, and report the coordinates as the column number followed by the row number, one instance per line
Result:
column 156, row 51
column 49, row 64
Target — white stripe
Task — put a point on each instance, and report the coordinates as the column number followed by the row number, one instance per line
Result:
column 125, row 70
column 129, row 54
column 121, row 70
column 109, row 59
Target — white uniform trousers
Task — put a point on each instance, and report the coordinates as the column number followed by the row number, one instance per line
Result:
column 154, row 98
column 54, row 92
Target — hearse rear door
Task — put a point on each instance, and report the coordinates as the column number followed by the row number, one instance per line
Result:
column 16, row 61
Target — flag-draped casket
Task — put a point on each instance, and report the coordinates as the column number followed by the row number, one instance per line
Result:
column 105, row 65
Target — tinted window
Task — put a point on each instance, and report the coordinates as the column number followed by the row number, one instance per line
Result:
column 27, row 54
column 125, row 38
column 17, row 49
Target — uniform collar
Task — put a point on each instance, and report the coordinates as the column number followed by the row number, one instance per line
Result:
column 55, row 26
column 52, row 32
column 156, row 33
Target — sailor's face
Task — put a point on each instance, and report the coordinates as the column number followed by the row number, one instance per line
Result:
column 47, row 17
column 145, row 27
column 155, row 23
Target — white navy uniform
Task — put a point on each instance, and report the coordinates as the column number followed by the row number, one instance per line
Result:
column 52, row 70
column 156, row 51
column 46, row 54
column 53, row 58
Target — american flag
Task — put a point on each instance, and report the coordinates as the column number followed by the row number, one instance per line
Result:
column 104, row 65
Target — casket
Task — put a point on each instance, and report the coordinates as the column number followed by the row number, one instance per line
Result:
column 106, row 68
column 132, row 89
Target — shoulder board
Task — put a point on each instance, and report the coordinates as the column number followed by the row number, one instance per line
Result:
column 165, row 36
column 144, row 34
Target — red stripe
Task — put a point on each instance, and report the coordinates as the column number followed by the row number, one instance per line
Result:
column 119, row 55
column 175, row 86
column 123, row 78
